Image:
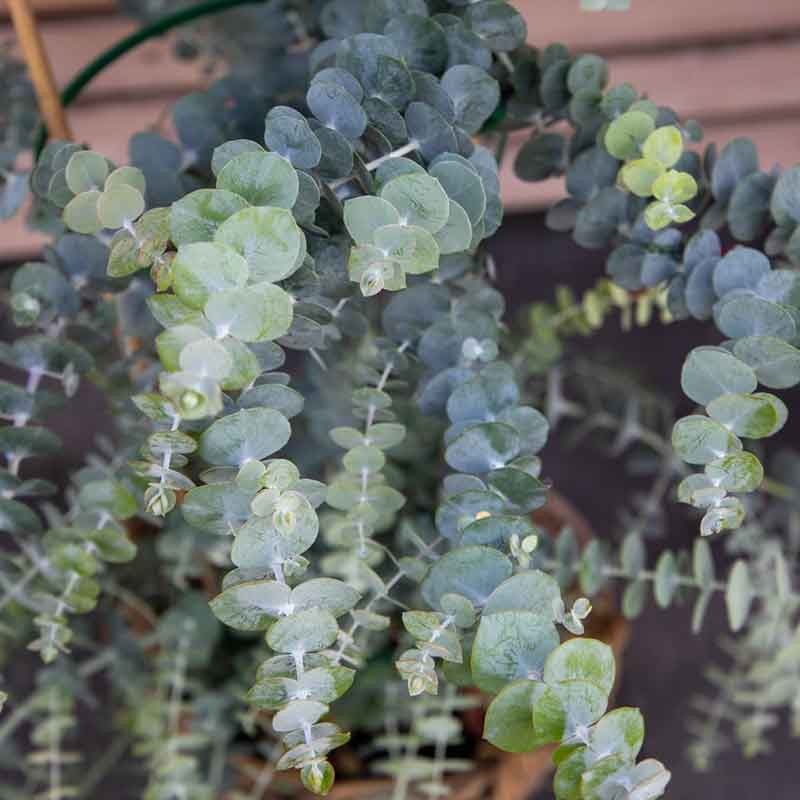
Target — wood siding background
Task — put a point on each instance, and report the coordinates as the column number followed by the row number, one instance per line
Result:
column 733, row 65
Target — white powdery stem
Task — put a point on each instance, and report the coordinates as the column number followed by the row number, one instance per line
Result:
column 401, row 151
column 375, row 163
column 299, row 665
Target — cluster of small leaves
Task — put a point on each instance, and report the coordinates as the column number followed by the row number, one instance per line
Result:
column 756, row 307
column 186, row 635
column 760, row 678
column 53, row 718
column 649, row 155
column 434, row 725
column 52, row 572
column 549, row 325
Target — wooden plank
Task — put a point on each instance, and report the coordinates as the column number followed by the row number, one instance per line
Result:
column 651, row 23
column 45, row 8
column 765, row 76
column 150, row 68
column 710, row 83
column 108, row 127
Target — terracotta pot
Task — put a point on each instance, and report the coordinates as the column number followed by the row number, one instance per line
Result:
column 497, row 775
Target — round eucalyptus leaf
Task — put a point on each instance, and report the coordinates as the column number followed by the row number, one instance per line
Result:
column 495, row 529
column 430, row 130
column 410, row 246
column 735, row 162
column 700, row 440
column 588, row 72
column 251, row 605
column 228, row 150
column 640, row 175
column 256, row 313
column 509, row 718
column 738, row 472
column 475, row 95
column 220, row 509
column 521, row 490
column 206, row 358
column 664, row 145
column 621, row 731
column 303, row 632
column 462, row 510
column 263, row 179
column 483, row 447
column 269, row 239
column 462, row 185
column 298, row 714
column 291, row 137
column 727, row 514
column 626, row 134
column 260, row 544
column 396, row 166
column 456, row 235
column 387, row 119
column 540, row 157
column 201, row 269
column 510, row 645
column 748, row 210
column 498, row 24
column 419, row 199
column 741, row 315
column 700, row 294
column 329, row 594
column 464, row 46
column 562, row 709
column 533, row 590
column 776, row 362
column 337, row 153
column 780, row 286
column 752, row 416
column 710, row 372
column 364, row 215
column 785, row 205
column 740, row 268
column 474, row 572
column 80, row 214
column 420, row 40
column 336, row 108
column 272, row 395
column 252, row 433
column 86, row 171
column 582, row 660
column 197, row 215
column 342, row 77
column 126, row 176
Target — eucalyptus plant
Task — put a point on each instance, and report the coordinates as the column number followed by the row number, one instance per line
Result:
column 326, row 229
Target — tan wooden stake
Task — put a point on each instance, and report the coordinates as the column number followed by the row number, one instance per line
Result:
column 41, row 72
